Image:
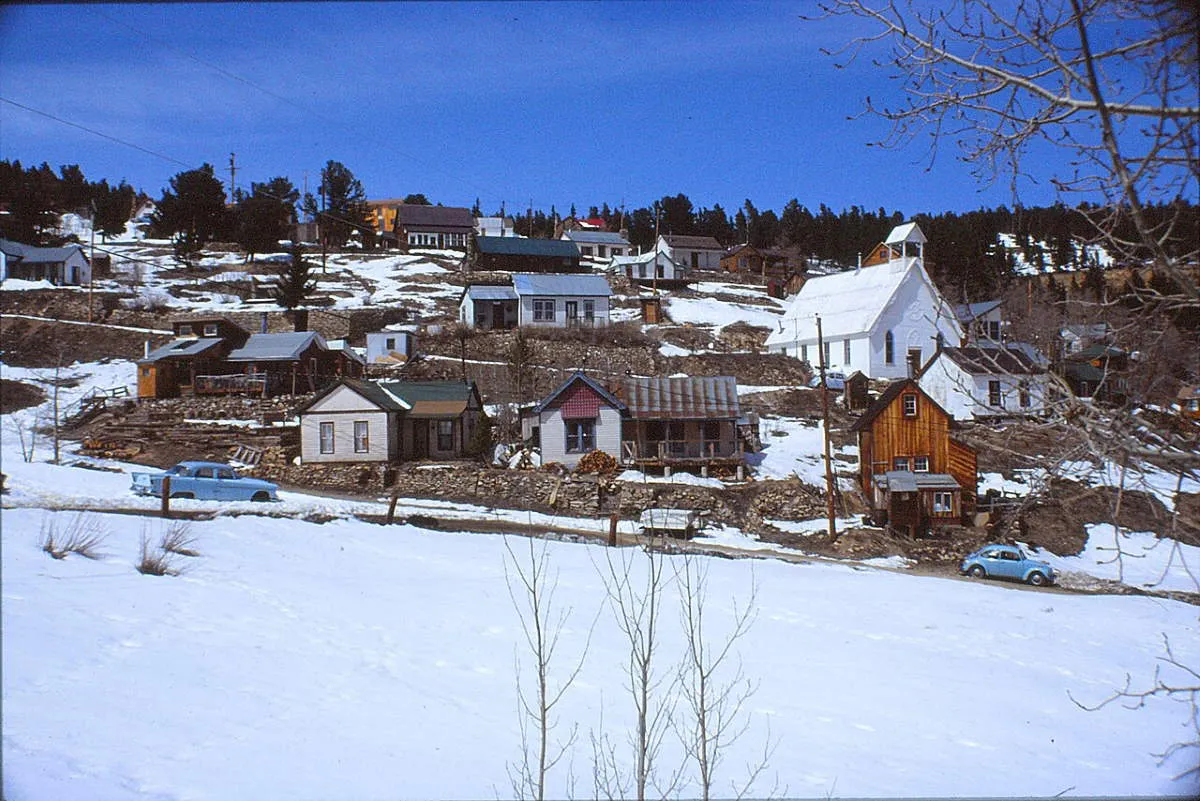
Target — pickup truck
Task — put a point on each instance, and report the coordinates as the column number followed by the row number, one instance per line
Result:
column 205, row 481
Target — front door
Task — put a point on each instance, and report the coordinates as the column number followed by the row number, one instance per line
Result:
column 420, row 434
column 572, row 312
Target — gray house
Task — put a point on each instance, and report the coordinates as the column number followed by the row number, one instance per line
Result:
column 599, row 244
column 552, row 301
column 60, row 266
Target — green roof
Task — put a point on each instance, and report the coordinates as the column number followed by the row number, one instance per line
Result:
column 517, row 246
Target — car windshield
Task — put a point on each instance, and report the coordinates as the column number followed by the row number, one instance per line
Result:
column 177, row 470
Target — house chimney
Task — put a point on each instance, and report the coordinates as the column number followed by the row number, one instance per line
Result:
column 146, row 354
column 263, row 324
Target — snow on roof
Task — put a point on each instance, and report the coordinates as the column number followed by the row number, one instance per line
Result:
column 966, row 312
column 182, row 347
column 37, row 255
column 908, row 232
column 271, row 347
column 692, row 242
column 550, row 284
column 848, row 303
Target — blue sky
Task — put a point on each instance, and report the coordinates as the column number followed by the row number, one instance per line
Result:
column 560, row 103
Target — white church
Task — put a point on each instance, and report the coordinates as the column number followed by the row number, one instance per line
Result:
column 885, row 320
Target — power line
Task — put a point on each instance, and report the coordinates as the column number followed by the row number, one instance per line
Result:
column 93, row 131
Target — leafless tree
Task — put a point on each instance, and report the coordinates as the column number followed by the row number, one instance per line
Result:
column 532, row 584
column 714, row 689
column 1110, row 86
column 636, row 581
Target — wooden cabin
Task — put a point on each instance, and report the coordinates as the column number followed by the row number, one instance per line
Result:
column 914, row 474
column 199, row 348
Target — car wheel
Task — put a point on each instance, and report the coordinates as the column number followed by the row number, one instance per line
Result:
column 977, row 571
column 1036, row 579
column 261, row 496
column 186, row 496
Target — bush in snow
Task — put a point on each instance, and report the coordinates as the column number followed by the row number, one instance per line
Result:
column 148, row 300
column 178, row 539
column 155, row 561
column 83, row 535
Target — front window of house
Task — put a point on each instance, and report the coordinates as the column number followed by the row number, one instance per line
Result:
column 845, row 351
column 943, row 502
column 445, row 435
column 909, row 403
column 804, row 353
column 900, row 463
column 389, row 343
column 362, row 442
column 185, row 330
column 326, row 437
column 581, row 436
column 994, row 396
column 543, row 310
column 210, row 329
column 589, row 310
column 825, row 353
column 889, row 348
column 920, row 464
column 1023, row 394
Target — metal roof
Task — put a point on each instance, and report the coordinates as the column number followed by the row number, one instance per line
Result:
column 966, row 312
column 977, row 360
column 908, row 481
column 596, row 237
column 432, row 398
column 693, row 242
column 697, row 398
column 276, row 347
column 409, row 216
column 592, row 383
column 32, row 254
column 484, row 292
column 574, row 285
column 520, row 246
column 182, row 348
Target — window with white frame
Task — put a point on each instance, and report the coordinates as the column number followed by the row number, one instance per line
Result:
column 943, row 502
column 589, row 310
column 994, row 396
column 900, row 463
column 210, row 329
column 846, row 352
column 581, row 435
column 920, row 464
column 362, row 442
column 445, row 435
column 908, row 402
column 326, row 438
column 543, row 310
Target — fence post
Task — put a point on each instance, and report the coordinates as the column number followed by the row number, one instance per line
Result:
column 612, row 529
column 166, row 496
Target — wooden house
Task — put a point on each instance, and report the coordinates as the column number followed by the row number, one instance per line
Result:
column 286, row 363
column 645, row 423
column 884, row 321
column 1097, row 372
column 199, row 348
column 389, row 421
column 1188, row 401
column 601, row 245
column 547, row 301
column 517, row 254
column 61, row 266
column 856, row 394
column 692, row 252
column 987, row 381
column 440, row 227
column 763, row 262
column 914, row 474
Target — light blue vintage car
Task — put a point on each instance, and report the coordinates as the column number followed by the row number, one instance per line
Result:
column 1007, row 561
column 205, row 481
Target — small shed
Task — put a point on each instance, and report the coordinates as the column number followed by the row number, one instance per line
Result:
column 652, row 309
column 856, row 393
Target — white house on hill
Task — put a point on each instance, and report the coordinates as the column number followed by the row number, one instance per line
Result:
column 987, row 381
column 885, row 321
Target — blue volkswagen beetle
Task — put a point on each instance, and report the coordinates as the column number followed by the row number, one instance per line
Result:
column 1007, row 561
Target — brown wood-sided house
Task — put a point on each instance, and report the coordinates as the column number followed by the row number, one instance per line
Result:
column 913, row 473
column 749, row 260
column 198, row 349
column 287, row 363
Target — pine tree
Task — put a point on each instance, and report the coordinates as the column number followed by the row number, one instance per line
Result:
column 193, row 208
column 297, row 280
column 342, row 210
column 265, row 217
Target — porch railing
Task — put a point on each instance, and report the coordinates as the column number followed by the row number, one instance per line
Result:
column 230, row 384
column 679, row 450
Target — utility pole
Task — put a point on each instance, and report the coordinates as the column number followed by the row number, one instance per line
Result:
column 92, row 259
column 531, row 218
column 825, row 423
column 321, row 228
column 233, row 178
column 655, row 251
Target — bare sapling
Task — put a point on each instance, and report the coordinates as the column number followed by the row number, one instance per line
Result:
column 532, row 585
column 84, row 535
column 713, row 686
column 636, row 603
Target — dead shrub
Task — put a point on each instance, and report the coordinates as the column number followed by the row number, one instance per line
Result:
column 155, row 561
column 83, row 535
column 178, row 539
